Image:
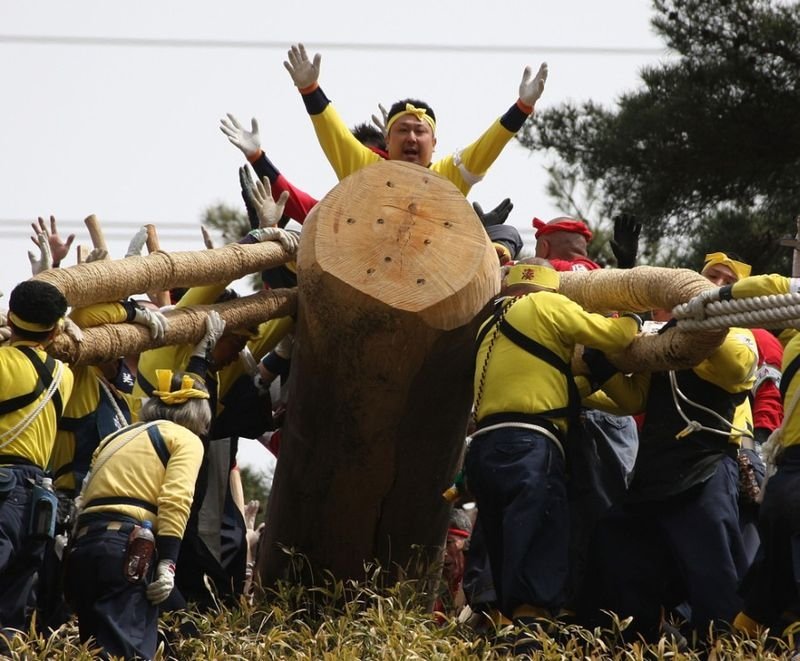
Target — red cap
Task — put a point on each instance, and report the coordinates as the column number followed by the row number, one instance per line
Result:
column 564, row 225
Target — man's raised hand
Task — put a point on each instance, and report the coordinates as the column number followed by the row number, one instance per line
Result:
column 249, row 142
column 531, row 87
column 303, row 71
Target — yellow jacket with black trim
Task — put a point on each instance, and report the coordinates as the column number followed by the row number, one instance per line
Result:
column 135, row 472
column 18, row 377
column 79, row 431
column 464, row 168
column 516, row 381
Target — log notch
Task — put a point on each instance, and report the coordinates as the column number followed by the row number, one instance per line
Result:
column 393, row 268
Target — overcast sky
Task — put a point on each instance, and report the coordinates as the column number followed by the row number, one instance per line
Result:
column 113, row 108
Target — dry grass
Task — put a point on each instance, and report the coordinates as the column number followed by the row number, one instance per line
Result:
column 356, row 621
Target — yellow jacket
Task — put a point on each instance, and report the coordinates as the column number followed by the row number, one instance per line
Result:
column 139, row 483
column 464, row 168
column 516, row 381
column 18, row 377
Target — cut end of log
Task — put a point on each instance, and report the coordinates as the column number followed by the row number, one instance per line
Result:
column 398, row 233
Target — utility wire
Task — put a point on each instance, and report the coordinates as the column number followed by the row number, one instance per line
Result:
column 142, row 42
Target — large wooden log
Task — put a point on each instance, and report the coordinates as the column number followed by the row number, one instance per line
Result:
column 393, row 270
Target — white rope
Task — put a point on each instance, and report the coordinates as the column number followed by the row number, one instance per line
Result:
column 119, row 417
column 694, row 425
column 774, row 311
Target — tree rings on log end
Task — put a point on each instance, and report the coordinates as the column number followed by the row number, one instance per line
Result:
column 405, row 236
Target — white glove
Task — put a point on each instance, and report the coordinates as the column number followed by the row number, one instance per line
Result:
column 530, row 89
column 161, row 587
column 303, row 71
column 268, row 210
column 215, row 326
column 71, row 329
column 45, row 260
column 153, row 319
column 137, row 243
column 249, row 142
column 381, row 123
column 96, row 255
column 288, row 239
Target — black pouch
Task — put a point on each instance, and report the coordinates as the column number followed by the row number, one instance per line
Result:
column 8, row 480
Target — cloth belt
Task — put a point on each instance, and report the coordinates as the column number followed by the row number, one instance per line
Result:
column 95, row 523
column 15, row 460
column 748, row 443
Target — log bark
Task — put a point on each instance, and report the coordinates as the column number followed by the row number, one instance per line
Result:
column 394, row 270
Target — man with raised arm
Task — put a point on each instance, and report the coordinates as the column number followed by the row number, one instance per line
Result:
column 410, row 128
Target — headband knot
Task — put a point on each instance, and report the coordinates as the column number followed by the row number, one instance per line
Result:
column 565, row 225
column 420, row 113
column 740, row 269
column 186, row 392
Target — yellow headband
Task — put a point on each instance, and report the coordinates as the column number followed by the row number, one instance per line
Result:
column 532, row 274
column 741, row 269
column 186, row 392
column 30, row 326
column 420, row 113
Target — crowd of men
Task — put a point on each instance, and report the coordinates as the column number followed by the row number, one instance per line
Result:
column 641, row 494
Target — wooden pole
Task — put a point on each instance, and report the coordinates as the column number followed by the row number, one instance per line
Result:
column 95, row 232
column 394, row 270
column 114, row 280
column 161, row 296
column 637, row 290
column 185, row 325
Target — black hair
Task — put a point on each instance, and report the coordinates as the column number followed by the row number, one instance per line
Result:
column 36, row 302
column 399, row 107
column 369, row 135
column 227, row 295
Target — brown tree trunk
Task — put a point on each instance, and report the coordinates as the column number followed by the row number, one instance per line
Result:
column 394, row 269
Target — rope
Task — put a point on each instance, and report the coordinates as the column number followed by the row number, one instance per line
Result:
column 774, row 311
column 694, row 425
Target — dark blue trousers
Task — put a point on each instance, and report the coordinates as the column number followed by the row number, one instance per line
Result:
column 772, row 586
column 658, row 554
column 517, row 477
column 21, row 555
column 114, row 611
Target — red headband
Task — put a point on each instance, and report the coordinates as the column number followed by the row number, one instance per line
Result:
column 457, row 532
column 576, row 226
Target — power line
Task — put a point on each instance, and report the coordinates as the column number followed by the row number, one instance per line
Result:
column 140, row 42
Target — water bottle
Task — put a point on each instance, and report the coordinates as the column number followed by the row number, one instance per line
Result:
column 139, row 554
column 44, row 506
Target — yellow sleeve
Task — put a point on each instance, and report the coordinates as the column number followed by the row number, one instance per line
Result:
column 177, row 487
column 622, row 394
column 732, row 366
column 343, row 151
column 468, row 166
column 101, row 313
column 764, row 285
